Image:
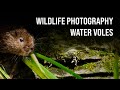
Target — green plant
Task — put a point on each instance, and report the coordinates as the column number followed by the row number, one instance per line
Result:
column 116, row 68
column 38, row 68
column 3, row 74
column 58, row 65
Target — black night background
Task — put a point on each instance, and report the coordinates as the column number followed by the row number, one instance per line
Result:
column 55, row 41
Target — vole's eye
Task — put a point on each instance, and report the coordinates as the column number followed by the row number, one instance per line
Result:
column 21, row 39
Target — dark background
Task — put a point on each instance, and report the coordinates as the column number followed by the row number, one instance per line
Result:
column 28, row 20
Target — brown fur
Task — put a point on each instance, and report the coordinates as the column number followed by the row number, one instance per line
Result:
column 10, row 42
column 15, row 43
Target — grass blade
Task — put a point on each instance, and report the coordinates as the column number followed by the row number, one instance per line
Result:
column 58, row 65
column 38, row 68
column 116, row 68
column 4, row 74
column 48, row 73
column 34, row 68
column 1, row 76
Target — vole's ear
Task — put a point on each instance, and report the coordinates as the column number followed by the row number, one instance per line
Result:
column 24, row 30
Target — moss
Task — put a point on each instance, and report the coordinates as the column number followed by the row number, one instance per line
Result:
column 89, row 66
column 77, row 68
column 108, row 62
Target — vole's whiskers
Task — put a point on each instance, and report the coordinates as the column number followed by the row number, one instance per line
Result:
column 39, row 39
column 36, row 44
column 16, row 59
column 36, row 37
column 12, row 58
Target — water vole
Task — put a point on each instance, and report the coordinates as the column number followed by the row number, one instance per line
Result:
column 18, row 41
column 15, row 42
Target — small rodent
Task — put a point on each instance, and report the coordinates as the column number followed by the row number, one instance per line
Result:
column 17, row 41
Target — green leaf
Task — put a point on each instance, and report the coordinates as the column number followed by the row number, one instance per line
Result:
column 38, row 68
column 116, row 68
column 34, row 68
column 3, row 74
column 58, row 65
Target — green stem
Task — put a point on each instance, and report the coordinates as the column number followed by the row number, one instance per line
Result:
column 116, row 68
column 1, row 76
column 4, row 73
column 34, row 68
column 36, row 61
column 58, row 65
column 38, row 68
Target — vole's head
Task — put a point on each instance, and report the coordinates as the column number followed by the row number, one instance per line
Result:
column 18, row 42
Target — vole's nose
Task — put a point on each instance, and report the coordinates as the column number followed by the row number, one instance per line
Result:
column 28, row 48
